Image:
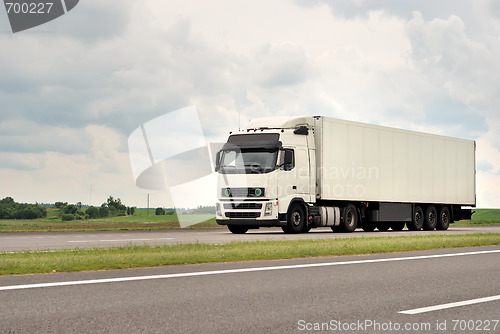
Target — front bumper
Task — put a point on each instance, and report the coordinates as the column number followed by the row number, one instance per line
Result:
column 251, row 222
column 249, row 213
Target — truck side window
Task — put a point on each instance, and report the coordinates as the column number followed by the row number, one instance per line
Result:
column 288, row 160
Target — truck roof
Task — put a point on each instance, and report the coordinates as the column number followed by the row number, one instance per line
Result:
column 279, row 122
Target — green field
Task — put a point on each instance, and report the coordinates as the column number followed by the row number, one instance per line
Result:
column 142, row 220
column 149, row 256
column 482, row 217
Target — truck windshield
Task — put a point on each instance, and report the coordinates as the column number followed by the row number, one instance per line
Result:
column 248, row 161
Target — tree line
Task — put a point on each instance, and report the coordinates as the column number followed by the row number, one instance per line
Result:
column 10, row 209
column 111, row 208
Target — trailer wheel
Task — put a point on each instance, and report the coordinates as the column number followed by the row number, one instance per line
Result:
column 398, row 226
column 237, row 229
column 350, row 219
column 418, row 219
column 296, row 220
column 430, row 220
column 443, row 221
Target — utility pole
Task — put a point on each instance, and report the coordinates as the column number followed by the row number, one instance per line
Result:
column 147, row 210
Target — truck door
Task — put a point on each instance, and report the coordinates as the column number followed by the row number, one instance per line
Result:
column 302, row 172
column 294, row 175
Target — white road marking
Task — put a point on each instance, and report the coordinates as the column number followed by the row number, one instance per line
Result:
column 231, row 271
column 119, row 240
column 451, row 305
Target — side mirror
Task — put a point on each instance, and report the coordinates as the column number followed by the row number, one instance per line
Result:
column 217, row 161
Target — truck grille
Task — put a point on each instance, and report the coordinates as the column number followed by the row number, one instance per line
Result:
column 242, row 214
column 243, row 192
column 243, row 206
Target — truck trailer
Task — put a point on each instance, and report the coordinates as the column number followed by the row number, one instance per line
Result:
column 306, row 172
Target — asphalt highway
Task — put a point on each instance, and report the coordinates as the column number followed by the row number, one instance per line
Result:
column 381, row 293
column 15, row 242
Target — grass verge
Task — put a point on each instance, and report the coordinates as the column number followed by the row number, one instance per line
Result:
column 149, row 256
column 139, row 221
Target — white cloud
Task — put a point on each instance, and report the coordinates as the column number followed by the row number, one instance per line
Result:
column 72, row 95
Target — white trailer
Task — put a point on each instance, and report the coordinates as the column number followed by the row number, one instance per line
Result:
column 308, row 172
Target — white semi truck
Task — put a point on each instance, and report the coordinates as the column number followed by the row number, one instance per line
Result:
column 306, row 172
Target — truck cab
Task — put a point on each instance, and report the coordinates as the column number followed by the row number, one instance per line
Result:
column 263, row 172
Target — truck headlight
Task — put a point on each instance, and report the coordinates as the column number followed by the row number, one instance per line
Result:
column 269, row 209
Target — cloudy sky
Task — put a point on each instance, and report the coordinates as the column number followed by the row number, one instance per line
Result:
column 73, row 90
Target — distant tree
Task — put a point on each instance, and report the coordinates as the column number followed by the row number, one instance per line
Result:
column 30, row 212
column 116, row 204
column 103, row 211
column 132, row 210
column 60, row 205
column 67, row 217
column 7, row 201
column 9, row 209
column 71, row 209
column 128, row 210
column 93, row 212
column 6, row 212
column 42, row 210
column 203, row 210
column 159, row 211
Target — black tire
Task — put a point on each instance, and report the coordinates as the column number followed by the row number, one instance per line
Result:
column 383, row 227
column 431, row 218
column 350, row 218
column 417, row 220
column 444, row 219
column 368, row 226
column 237, row 229
column 296, row 220
column 398, row 226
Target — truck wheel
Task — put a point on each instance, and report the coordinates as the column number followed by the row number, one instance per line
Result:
column 430, row 220
column 398, row 226
column 417, row 221
column 296, row 220
column 444, row 220
column 350, row 219
column 237, row 229
column 383, row 227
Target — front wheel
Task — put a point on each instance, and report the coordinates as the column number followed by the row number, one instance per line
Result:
column 237, row 229
column 350, row 220
column 296, row 220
